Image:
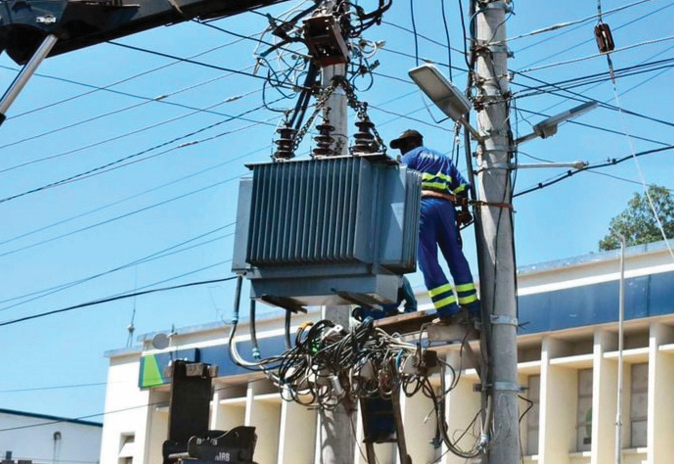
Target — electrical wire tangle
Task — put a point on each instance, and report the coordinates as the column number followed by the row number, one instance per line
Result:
column 289, row 66
column 328, row 365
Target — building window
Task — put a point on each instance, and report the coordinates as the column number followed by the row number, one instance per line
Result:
column 584, row 412
column 533, row 393
column 639, row 405
column 126, row 448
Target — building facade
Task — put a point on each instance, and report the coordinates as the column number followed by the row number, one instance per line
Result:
column 46, row 439
column 568, row 367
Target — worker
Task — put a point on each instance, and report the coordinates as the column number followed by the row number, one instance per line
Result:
column 441, row 186
column 405, row 295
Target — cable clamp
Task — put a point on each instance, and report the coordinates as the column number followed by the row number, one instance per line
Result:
column 507, row 387
column 502, row 319
column 483, row 47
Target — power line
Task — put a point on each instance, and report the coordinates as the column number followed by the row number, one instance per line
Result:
column 54, row 387
column 582, row 98
column 409, row 118
column 211, row 66
column 122, row 216
column 588, row 57
column 133, row 132
column 597, row 77
column 624, row 179
column 402, row 28
column 593, row 126
column 169, row 251
column 145, row 101
column 572, row 172
column 260, row 41
column 131, row 197
column 130, row 408
column 126, row 79
column 573, row 47
column 117, row 298
column 557, row 26
column 127, row 159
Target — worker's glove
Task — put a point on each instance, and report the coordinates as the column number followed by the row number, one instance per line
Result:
column 464, row 217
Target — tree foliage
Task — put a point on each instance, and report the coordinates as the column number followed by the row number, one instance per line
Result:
column 637, row 222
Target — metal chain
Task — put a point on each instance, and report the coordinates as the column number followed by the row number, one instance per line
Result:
column 320, row 103
column 358, row 106
column 361, row 110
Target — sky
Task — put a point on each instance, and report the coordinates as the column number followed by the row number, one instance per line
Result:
column 175, row 201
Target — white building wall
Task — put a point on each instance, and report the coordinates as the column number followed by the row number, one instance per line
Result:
column 127, row 413
column 48, row 440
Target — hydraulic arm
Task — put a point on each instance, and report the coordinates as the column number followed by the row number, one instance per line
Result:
column 25, row 24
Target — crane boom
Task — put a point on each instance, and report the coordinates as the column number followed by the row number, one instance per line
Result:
column 25, row 24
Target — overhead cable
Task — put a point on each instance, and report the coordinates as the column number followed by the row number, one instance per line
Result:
column 557, row 26
column 163, row 253
column 126, row 79
column 200, row 63
column 610, row 162
column 132, row 197
column 133, row 158
column 576, row 60
column 117, row 298
column 573, row 47
column 593, row 126
column 146, row 100
column 121, row 216
column 133, row 132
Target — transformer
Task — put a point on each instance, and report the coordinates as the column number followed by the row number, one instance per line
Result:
column 337, row 230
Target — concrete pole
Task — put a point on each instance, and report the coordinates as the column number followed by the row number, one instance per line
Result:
column 336, row 108
column 337, row 427
column 495, row 233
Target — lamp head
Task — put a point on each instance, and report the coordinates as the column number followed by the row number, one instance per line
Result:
column 443, row 93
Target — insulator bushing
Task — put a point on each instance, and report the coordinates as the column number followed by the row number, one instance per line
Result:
column 324, row 140
column 365, row 142
column 285, row 143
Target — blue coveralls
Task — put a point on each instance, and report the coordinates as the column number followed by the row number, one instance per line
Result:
column 437, row 227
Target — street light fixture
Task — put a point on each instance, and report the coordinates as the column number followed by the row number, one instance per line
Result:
column 548, row 127
column 449, row 99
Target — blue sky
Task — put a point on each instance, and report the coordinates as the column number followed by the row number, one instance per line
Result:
column 118, row 217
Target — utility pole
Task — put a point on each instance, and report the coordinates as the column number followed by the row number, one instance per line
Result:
column 337, row 436
column 495, row 228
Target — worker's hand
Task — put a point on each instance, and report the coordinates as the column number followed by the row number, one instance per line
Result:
column 465, row 217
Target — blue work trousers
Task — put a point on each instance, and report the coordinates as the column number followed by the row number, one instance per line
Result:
column 437, row 227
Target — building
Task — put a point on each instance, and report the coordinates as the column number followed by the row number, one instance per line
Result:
column 568, row 364
column 46, row 439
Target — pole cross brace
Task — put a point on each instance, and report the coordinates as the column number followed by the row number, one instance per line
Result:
column 503, row 320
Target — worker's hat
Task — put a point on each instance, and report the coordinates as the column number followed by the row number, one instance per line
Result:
column 408, row 134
